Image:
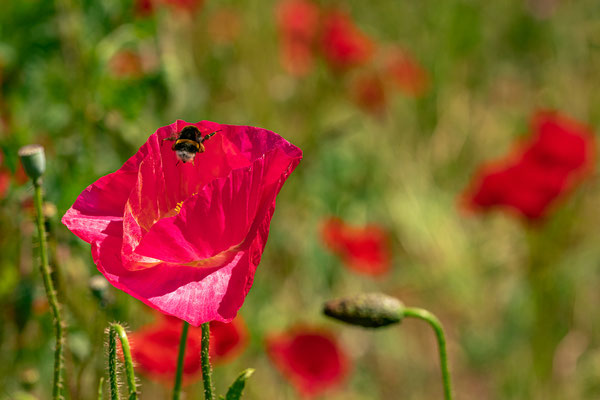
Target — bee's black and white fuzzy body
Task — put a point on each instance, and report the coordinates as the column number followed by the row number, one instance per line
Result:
column 188, row 142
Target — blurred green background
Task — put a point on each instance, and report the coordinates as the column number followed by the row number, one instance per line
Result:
column 519, row 302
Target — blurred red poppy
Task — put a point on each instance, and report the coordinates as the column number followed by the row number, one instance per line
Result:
column 155, row 347
column 405, row 73
column 311, row 359
column 147, row 7
column 224, row 25
column 227, row 340
column 368, row 91
column 184, row 5
column 363, row 249
column 126, row 64
column 343, row 44
column 4, row 182
column 144, row 7
column 186, row 238
column 4, row 178
column 297, row 22
column 547, row 166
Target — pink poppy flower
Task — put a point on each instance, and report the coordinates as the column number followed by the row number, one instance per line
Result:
column 155, row 347
column 343, row 44
column 186, row 238
column 298, row 24
column 311, row 359
column 363, row 249
column 534, row 176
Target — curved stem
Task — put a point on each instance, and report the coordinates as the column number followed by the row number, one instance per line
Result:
column 118, row 330
column 439, row 333
column 50, row 293
column 180, row 358
column 206, row 368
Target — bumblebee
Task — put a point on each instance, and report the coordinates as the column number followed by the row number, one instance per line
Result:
column 188, row 142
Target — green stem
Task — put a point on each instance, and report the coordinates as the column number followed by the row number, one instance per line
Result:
column 206, row 369
column 180, row 359
column 50, row 293
column 100, row 384
column 118, row 330
column 439, row 333
column 112, row 366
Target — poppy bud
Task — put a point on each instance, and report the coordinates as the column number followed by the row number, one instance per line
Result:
column 33, row 160
column 371, row 310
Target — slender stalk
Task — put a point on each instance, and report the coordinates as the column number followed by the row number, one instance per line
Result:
column 180, row 359
column 100, row 384
column 114, row 331
column 50, row 293
column 206, row 368
column 112, row 366
column 439, row 333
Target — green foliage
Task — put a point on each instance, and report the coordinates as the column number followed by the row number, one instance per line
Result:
column 237, row 387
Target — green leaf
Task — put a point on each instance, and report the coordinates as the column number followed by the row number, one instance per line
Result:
column 237, row 387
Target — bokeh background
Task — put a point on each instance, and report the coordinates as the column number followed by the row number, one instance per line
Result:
column 393, row 131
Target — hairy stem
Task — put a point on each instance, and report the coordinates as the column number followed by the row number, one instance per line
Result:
column 50, row 293
column 117, row 330
column 206, row 368
column 112, row 366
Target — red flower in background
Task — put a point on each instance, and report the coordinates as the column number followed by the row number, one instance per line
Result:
column 343, row 44
column 226, row 339
column 224, row 25
column 186, row 238
column 144, row 7
column 4, row 182
column 368, row 91
column 4, row 179
column 298, row 24
column 147, row 7
column 406, row 73
column 184, row 5
column 155, row 347
column 363, row 249
column 544, row 168
column 310, row 359
column 126, row 64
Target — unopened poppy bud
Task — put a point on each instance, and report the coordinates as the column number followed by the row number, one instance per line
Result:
column 371, row 310
column 33, row 160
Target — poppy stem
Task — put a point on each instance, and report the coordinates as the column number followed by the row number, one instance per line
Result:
column 206, row 368
column 50, row 293
column 100, row 387
column 114, row 331
column 112, row 367
column 439, row 333
column 180, row 359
